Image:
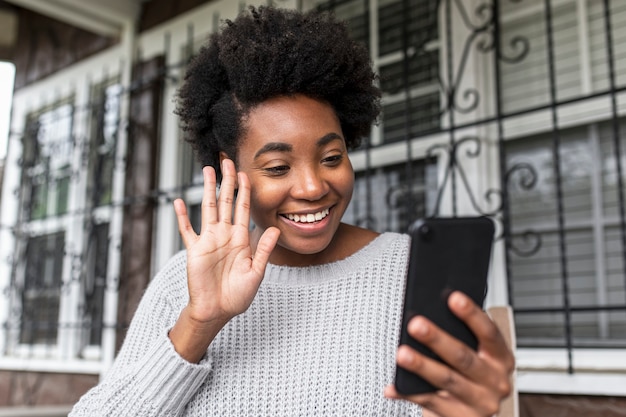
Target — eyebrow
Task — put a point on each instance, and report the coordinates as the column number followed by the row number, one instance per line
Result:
column 285, row 147
column 273, row 147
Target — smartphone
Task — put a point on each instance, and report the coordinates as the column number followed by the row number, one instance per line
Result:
column 447, row 254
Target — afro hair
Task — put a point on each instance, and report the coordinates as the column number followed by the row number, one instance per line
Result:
column 266, row 53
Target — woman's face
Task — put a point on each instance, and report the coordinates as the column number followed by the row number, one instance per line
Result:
column 295, row 155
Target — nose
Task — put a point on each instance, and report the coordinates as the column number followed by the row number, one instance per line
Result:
column 310, row 185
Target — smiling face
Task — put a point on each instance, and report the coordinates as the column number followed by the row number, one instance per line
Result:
column 295, row 156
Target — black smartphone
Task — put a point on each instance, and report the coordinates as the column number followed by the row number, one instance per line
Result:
column 447, row 254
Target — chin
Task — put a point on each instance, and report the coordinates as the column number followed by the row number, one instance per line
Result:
column 306, row 246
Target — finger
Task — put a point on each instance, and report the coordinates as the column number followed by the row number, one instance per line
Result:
column 227, row 191
column 440, row 401
column 468, row 374
column 264, row 249
column 462, row 359
column 209, row 204
column 440, row 375
column 442, row 404
column 184, row 225
column 242, row 205
column 449, row 348
column 490, row 340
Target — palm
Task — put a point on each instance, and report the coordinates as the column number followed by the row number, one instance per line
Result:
column 223, row 275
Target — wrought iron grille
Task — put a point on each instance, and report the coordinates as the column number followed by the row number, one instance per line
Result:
column 529, row 88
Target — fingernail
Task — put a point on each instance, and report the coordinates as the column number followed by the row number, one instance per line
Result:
column 459, row 300
column 404, row 356
column 418, row 327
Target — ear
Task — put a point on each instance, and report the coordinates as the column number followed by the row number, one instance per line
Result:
column 223, row 156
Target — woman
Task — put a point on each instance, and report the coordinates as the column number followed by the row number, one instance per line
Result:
column 300, row 315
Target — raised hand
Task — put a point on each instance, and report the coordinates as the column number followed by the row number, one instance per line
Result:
column 473, row 383
column 223, row 273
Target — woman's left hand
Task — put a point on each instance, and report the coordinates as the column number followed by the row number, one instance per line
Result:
column 473, row 383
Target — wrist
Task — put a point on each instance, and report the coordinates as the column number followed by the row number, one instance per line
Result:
column 192, row 337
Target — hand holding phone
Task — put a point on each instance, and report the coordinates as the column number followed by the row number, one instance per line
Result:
column 447, row 254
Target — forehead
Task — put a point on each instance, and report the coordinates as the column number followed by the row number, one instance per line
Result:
column 289, row 119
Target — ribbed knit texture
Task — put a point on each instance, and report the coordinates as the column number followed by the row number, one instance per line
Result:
column 316, row 341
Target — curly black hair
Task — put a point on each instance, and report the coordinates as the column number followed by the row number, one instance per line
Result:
column 266, row 53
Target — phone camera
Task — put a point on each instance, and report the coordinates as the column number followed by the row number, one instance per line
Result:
column 425, row 232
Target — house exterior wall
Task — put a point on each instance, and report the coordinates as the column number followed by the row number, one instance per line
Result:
column 33, row 389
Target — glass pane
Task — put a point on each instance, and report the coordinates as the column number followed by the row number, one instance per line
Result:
column 48, row 148
column 42, row 288
column 423, row 117
column 39, row 199
column 62, row 189
column 381, row 197
column 95, row 279
column 106, row 107
column 355, row 12
column 417, row 19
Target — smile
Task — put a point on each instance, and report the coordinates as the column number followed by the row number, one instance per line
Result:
column 307, row 218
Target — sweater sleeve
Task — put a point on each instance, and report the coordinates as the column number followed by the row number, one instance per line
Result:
column 148, row 377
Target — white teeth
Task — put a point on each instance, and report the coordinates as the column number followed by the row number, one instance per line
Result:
column 308, row 218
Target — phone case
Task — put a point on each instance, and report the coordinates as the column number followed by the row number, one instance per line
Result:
column 447, row 254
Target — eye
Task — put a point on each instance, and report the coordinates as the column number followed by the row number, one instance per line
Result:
column 278, row 170
column 333, row 160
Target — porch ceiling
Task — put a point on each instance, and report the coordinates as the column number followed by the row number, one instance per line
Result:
column 101, row 17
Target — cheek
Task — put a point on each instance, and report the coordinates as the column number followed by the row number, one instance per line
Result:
column 264, row 199
column 346, row 185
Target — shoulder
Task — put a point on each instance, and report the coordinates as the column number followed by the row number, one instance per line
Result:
column 358, row 236
column 390, row 245
column 393, row 245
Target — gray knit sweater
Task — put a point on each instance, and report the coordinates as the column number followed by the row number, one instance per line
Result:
column 316, row 341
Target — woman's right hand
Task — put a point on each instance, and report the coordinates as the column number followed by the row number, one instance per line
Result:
column 223, row 273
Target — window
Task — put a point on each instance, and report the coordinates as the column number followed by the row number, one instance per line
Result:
column 94, row 254
column 60, row 277
column 566, row 283
column 48, row 146
column 37, row 281
column 594, row 265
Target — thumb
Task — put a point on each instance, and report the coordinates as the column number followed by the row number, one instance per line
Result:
column 264, row 248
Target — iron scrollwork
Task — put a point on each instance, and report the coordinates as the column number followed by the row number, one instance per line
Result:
column 483, row 34
column 526, row 176
column 454, row 169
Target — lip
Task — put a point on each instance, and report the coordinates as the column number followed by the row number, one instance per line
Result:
column 308, row 226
